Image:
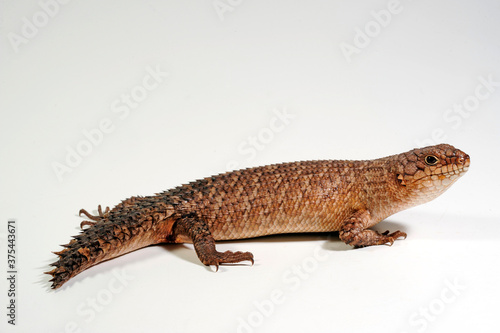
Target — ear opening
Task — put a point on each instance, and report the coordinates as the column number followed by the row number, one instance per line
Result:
column 401, row 180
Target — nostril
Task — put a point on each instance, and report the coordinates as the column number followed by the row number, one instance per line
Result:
column 465, row 160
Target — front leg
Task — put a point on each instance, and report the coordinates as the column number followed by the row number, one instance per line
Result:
column 198, row 232
column 354, row 232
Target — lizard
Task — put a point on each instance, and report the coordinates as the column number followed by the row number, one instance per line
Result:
column 344, row 196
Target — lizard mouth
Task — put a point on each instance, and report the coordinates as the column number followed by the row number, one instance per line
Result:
column 443, row 179
column 448, row 175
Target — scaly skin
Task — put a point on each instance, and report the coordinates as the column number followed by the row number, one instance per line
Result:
column 313, row 196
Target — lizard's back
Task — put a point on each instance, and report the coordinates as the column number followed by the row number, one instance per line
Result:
column 309, row 196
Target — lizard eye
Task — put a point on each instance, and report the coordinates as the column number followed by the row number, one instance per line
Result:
column 431, row 160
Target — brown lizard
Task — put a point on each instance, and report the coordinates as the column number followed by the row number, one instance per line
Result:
column 311, row 196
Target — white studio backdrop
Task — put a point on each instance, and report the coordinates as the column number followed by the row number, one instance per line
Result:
column 102, row 100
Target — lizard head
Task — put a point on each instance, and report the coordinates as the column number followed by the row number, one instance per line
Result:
column 428, row 172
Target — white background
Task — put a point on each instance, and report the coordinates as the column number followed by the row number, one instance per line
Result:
column 358, row 81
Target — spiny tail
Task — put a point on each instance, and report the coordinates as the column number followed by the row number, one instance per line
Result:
column 100, row 242
column 123, row 230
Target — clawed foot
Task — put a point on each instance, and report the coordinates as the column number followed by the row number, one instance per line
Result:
column 354, row 232
column 94, row 218
column 390, row 238
column 227, row 257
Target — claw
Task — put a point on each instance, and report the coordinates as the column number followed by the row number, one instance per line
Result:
column 390, row 242
column 90, row 216
column 398, row 234
column 99, row 209
column 96, row 218
column 84, row 223
column 394, row 236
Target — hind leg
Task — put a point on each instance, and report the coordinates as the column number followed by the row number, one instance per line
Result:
column 204, row 244
column 94, row 218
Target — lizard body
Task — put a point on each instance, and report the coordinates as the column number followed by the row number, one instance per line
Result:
column 311, row 196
